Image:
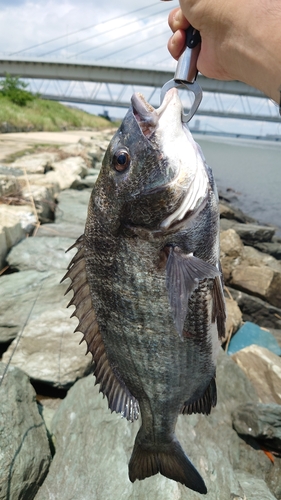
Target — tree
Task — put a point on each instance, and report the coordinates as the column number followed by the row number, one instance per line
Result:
column 13, row 88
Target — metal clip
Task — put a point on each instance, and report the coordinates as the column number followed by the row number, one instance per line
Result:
column 186, row 72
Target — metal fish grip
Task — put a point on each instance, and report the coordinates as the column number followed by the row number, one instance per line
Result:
column 186, row 72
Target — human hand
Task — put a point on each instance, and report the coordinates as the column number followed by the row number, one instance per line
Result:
column 235, row 40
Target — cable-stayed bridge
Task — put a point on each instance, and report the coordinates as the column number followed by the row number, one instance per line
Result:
column 112, row 85
column 104, row 63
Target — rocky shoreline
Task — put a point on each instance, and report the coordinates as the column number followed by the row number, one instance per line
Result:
column 64, row 450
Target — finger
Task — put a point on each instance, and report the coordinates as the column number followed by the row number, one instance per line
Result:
column 176, row 44
column 177, row 20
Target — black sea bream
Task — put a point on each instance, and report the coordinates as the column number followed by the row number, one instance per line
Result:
column 147, row 283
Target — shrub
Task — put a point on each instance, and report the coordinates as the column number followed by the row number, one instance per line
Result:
column 14, row 89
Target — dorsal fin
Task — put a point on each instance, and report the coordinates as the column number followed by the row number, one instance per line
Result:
column 118, row 396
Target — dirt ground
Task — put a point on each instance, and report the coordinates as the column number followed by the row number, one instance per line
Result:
column 12, row 143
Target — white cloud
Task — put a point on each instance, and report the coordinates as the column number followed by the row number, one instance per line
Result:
column 27, row 23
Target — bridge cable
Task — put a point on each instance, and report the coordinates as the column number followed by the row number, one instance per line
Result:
column 101, row 34
column 82, row 29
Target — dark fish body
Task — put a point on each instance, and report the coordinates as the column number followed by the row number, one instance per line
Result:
column 147, row 285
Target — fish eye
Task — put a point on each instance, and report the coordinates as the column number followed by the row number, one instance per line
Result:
column 121, row 160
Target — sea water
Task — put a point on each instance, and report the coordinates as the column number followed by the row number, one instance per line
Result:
column 250, row 169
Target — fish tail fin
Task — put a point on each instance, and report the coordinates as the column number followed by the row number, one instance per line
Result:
column 172, row 463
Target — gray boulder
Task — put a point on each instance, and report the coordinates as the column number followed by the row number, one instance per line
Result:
column 261, row 421
column 38, row 163
column 271, row 247
column 254, row 488
column 25, row 454
column 48, row 350
column 22, row 293
column 263, row 368
column 257, row 310
column 70, row 216
column 230, row 212
column 72, row 206
column 41, row 254
column 15, row 223
column 249, row 233
column 94, row 446
column 34, row 307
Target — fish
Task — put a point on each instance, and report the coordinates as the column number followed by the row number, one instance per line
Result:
column 147, row 284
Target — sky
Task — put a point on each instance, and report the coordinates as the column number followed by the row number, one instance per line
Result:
column 137, row 27
column 121, row 32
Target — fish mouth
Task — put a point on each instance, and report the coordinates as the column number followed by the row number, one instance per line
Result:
column 147, row 116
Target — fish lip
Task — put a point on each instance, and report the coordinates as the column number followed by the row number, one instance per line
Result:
column 146, row 115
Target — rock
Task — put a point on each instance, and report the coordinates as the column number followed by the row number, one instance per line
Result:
column 249, row 270
column 261, row 281
column 271, row 247
column 63, row 229
column 257, row 310
column 228, row 211
column 97, row 145
column 254, row 488
column 88, row 181
column 254, row 257
column 249, row 233
column 73, row 149
column 109, row 432
column 15, row 223
column 43, row 194
column 98, row 468
column 33, row 305
column 231, row 244
column 276, row 334
column 261, row 421
column 25, row 293
column 49, row 351
column 41, row 254
column 263, row 368
column 72, row 207
column 9, row 181
column 67, row 172
column 250, row 334
column 233, row 317
column 25, row 454
column 38, row 163
column 231, row 252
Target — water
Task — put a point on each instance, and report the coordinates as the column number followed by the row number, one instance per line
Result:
column 252, row 168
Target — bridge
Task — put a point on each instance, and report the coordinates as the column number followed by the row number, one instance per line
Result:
column 114, row 77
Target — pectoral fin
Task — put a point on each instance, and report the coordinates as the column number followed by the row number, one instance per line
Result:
column 183, row 273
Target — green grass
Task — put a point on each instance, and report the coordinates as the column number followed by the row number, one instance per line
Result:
column 42, row 115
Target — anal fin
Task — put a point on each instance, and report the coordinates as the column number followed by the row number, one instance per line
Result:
column 111, row 385
column 203, row 404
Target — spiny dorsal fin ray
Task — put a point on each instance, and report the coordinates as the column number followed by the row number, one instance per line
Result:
column 203, row 404
column 118, row 396
column 183, row 273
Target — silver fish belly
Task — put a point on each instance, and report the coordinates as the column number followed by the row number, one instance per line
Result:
column 147, row 284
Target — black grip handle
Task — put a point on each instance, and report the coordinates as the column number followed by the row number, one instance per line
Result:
column 193, row 37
